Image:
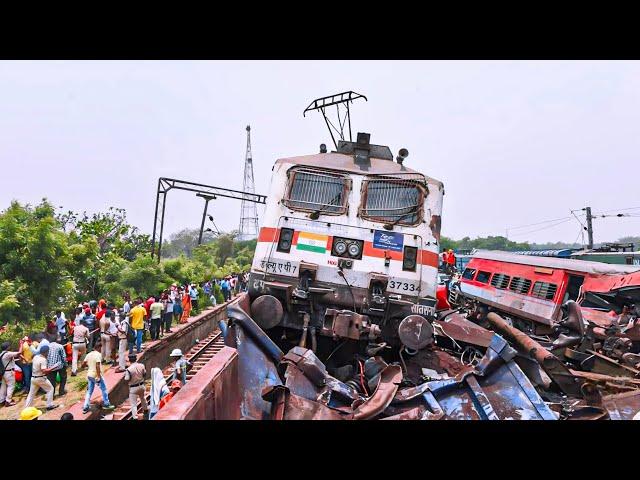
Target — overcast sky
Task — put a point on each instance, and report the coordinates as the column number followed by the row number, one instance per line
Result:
column 515, row 143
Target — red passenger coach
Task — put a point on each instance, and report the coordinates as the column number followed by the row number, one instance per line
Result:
column 529, row 290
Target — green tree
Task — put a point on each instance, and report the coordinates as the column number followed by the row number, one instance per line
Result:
column 34, row 255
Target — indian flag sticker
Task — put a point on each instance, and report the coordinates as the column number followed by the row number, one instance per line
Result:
column 312, row 242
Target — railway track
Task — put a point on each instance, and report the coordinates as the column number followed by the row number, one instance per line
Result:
column 198, row 357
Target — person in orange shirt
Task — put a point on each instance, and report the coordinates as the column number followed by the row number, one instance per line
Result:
column 174, row 387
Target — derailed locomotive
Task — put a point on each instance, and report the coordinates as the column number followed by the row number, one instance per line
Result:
column 348, row 250
column 344, row 281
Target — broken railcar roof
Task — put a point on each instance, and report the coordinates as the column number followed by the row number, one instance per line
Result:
column 585, row 266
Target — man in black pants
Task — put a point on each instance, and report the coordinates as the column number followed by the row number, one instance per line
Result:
column 57, row 362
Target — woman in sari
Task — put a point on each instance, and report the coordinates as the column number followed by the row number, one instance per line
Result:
column 186, row 307
column 158, row 390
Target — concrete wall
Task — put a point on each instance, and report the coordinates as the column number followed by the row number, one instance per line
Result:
column 212, row 394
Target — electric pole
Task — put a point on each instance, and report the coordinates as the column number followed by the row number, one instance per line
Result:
column 589, row 227
column 207, row 199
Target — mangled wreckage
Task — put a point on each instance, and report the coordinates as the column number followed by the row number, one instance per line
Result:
column 343, row 323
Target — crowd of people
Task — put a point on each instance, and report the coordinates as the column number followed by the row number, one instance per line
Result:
column 98, row 333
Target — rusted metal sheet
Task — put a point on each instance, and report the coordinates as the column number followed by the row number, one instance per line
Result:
column 256, row 370
column 551, row 364
column 498, row 389
column 622, row 406
column 462, row 330
column 390, row 379
column 611, row 283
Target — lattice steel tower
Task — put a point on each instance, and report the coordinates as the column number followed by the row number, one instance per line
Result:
column 248, row 212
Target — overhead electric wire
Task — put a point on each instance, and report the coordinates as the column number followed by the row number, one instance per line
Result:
column 544, row 228
column 538, row 223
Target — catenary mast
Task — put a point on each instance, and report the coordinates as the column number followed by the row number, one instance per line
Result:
column 249, row 212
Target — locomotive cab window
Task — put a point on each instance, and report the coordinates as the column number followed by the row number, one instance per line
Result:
column 317, row 191
column 393, row 200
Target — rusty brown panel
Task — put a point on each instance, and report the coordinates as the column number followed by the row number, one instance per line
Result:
column 608, row 366
column 389, row 381
column 299, row 408
column 463, row 330
column 558, row 372
column 416, row 413
column 435, row 225
column 622, row 406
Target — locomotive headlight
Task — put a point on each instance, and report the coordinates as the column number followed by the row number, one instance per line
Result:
column 409, row 259
column 340, row 247
column 354, row 249
column 285, row 240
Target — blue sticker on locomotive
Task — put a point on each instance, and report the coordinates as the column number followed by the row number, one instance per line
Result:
column 388, row 240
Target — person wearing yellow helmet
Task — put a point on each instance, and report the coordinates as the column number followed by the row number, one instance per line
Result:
column 30, row 413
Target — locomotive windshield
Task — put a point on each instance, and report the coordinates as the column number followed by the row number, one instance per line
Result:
column 392, row 200
column 312, row 190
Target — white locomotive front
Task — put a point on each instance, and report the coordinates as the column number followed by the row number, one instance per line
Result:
column 348, row 249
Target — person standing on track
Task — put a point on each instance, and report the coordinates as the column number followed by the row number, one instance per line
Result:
column 39, row 378
column 134, row 375
column 180, row 366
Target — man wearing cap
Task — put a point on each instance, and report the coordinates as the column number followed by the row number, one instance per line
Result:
column 8, row 379
column 39, row 378
column 79, row 346
column 180, row 367
column 134, row 375
column 94, row 377
column 30, row 413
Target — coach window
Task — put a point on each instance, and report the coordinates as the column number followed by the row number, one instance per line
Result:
column 317, row 191
column 398, row 201
column 544, row 290
column 520, row 285
column 483, row 277
column 500, row 280
column 468, row 273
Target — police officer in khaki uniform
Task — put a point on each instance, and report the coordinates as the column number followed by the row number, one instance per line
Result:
column 80, row 340
column 134, row 375
column 39, row 378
